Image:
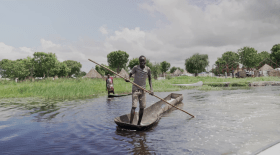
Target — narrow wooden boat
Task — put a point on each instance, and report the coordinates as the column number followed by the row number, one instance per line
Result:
column 200, row 83
column 118, row 95
column 272, row 149
column 151, row 115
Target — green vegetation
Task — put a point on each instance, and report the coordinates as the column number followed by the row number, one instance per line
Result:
column 248, row 56
column 41, row 65
column 60, row 88
column 155, row 70
column 197, row 63
column 76, row 88
column 117, row 59
column 135, row 61
column 173, row 69
column 275, row 53
column 229, row 60
column 208, row 80
column 164, row 66
column 102, row 71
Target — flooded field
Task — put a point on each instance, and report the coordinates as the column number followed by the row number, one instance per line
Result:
column 240, row 121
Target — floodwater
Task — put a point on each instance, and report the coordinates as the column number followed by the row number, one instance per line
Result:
column 227, row 122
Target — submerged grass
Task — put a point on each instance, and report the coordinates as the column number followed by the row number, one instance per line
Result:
column 77, row 88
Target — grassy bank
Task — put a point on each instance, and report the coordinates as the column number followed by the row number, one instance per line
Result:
column 61, row 88
column 75, row 88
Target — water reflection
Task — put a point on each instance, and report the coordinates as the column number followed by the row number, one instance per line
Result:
column 137, row 139
column 227, row 122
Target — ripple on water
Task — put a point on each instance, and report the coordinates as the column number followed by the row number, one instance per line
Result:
column 226, row 122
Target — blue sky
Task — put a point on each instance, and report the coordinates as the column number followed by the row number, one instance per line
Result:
column 162, row 30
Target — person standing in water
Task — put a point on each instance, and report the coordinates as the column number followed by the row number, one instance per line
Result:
column 141, row 72
column 109, row 85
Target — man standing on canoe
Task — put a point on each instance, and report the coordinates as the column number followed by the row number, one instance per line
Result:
column 109, row 85
column 141, row 72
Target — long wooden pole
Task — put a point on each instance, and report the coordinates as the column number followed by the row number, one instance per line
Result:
column 140, row 87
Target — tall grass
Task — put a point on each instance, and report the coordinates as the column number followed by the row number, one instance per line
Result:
column 205, row 80
column 75, row 88
column 61, row 88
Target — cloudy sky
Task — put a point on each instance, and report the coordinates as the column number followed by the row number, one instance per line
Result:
column 162, row 30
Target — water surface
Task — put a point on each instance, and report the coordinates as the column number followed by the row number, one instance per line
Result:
column 240, row 121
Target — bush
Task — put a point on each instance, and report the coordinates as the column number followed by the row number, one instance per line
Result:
column 168, row 77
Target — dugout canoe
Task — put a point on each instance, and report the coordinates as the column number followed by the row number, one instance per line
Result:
column 200, row 83
column 272, row 149
column 151, row 116
column 118, row 95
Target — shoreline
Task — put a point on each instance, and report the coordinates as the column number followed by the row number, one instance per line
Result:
column 83, row 88
column 236, row 84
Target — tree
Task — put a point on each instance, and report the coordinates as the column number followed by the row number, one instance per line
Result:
column 54, row 71
column 74, row 66
column 29, row 65
column 228, row 60
column 248, row 56
column 39, row 63
column 102, row 71
column 231, row 59
column 6, row 66
column 135, row 61
column 1, row 71
column 173, row 69
column 148, row 63
column 155, row 70
column 80, row 74
column 197, row 63
column 117, row 59
column 49, row 62
column 19, row 69
column 220, row 63
column 43, row 63
column 182, row 70
column 13, row 69
column 275, row 53
column 64, row 70
column 164, row 66
column 264, row 58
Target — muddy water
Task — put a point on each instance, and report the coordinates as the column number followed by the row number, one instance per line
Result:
column 238, row 121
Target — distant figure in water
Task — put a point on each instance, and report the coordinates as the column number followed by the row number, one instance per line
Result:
column 110, row 85
column 141, row 73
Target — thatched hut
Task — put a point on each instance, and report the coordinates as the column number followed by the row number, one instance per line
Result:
column 177, row 72
column 265, row 68
column 92, row 74
column 242, row 74
column 123, row 73
column 274, row 73
column 185, row 72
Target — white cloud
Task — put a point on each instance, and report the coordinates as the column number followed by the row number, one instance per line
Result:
column 214, row 29
column 12, row 53
column 103, row 30
column 206, row 27
column 48, row 44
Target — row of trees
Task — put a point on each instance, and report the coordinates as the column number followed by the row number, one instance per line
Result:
column 41, row 65
column 119, row 59
column 248, row 57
